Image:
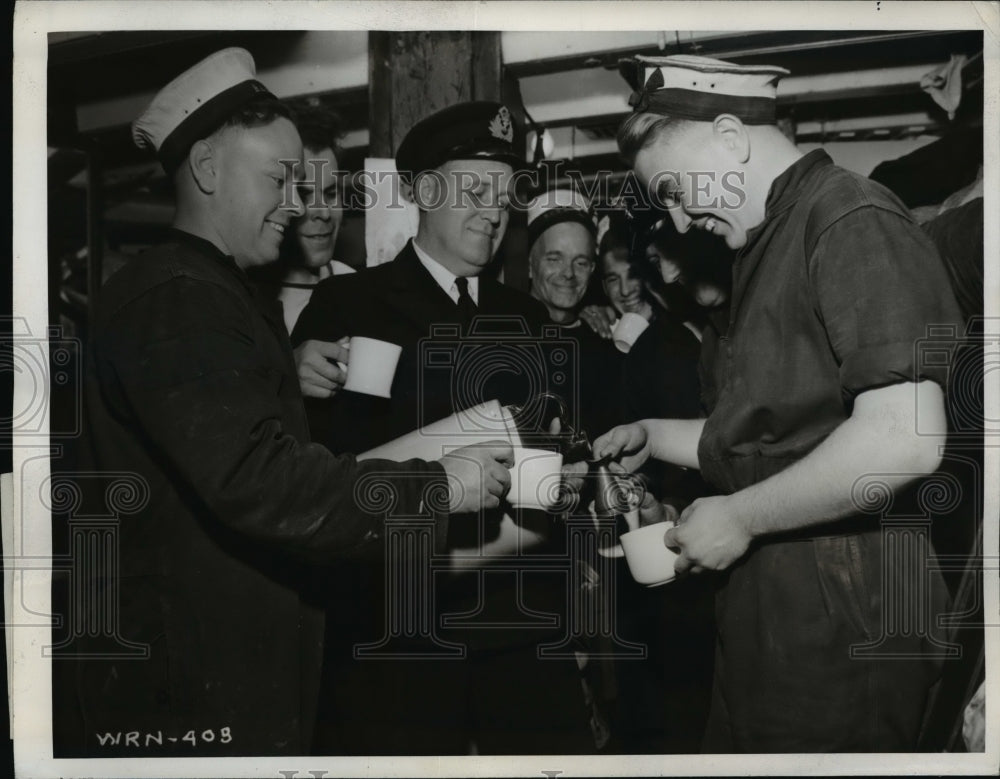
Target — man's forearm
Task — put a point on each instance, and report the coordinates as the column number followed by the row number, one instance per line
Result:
column 674, row 441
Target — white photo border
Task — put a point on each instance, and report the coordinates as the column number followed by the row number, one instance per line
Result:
column 31, row 680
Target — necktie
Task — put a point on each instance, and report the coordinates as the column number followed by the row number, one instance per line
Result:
column 466, row 306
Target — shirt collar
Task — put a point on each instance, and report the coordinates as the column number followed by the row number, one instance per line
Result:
column 785, row 189
column 444, row 277
column 202, row 244
column 213, row 252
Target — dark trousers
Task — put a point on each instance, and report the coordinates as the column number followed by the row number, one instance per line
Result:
column 499, row 697
column 825, row 645
column 662, row 699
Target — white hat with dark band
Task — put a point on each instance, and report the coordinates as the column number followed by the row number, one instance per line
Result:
column 197, row 103
column 555, row 206
column 684, row 86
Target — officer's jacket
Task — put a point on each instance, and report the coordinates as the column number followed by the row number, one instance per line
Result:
column 442, row 368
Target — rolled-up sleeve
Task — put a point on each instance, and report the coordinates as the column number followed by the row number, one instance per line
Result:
column 182, row 367
column 881, row 290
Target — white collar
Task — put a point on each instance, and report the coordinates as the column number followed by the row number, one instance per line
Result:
column 444, row 277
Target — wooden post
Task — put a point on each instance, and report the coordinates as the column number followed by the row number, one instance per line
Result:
column 414, row 74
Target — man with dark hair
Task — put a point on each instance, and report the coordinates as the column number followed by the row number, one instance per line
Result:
column 307, row 252
column 191, row 388
column 814, row 387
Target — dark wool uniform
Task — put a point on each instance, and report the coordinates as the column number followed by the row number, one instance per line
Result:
column 659, row 710
column 660, row 372
column 831, row 295
column 596, row 391
column 499, row 694
column 191, row 385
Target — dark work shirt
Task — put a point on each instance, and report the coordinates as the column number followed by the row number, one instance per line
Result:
column 660, row 381
column 191, row 389
column 593, row 389
column 958, row 235
column 660, row 376
column 832, row 294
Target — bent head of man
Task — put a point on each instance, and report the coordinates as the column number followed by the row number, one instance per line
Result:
column 457, row 166
column 561, row 234
column 704, row 142
column 233, row 154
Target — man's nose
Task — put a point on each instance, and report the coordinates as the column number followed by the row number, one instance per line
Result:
column 320, row 211
column 492, row 214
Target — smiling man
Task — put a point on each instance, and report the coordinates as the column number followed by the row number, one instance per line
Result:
column 191, row 390
column 562, row 234
column 813, row 387
column 307, row 253
column 456, row 165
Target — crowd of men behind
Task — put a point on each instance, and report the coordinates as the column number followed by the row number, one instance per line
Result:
column 254, row 573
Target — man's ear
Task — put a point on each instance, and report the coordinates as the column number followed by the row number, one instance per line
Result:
column 203, row 164
column 733, row 135
column 428, row 190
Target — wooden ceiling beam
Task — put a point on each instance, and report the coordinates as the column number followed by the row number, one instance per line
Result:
column 841, row 49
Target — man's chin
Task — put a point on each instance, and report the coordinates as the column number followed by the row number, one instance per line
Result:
column 257, row 260
column 315, row 263
column 734, row 240
column 566, row 305
column 478, row 262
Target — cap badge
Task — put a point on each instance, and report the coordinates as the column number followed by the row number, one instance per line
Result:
column 501, row 127
column 602, row 227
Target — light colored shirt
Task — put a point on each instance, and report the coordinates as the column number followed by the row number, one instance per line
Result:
column 445, row 278
column 295, row 297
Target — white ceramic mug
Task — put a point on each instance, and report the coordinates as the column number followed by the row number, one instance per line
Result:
column 649, row 560
column 535, row 478
column 371, row 366
column 628, row 330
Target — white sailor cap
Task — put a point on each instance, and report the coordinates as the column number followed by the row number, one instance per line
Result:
column 555, row 206
column 685, row 86
column 196, row 103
